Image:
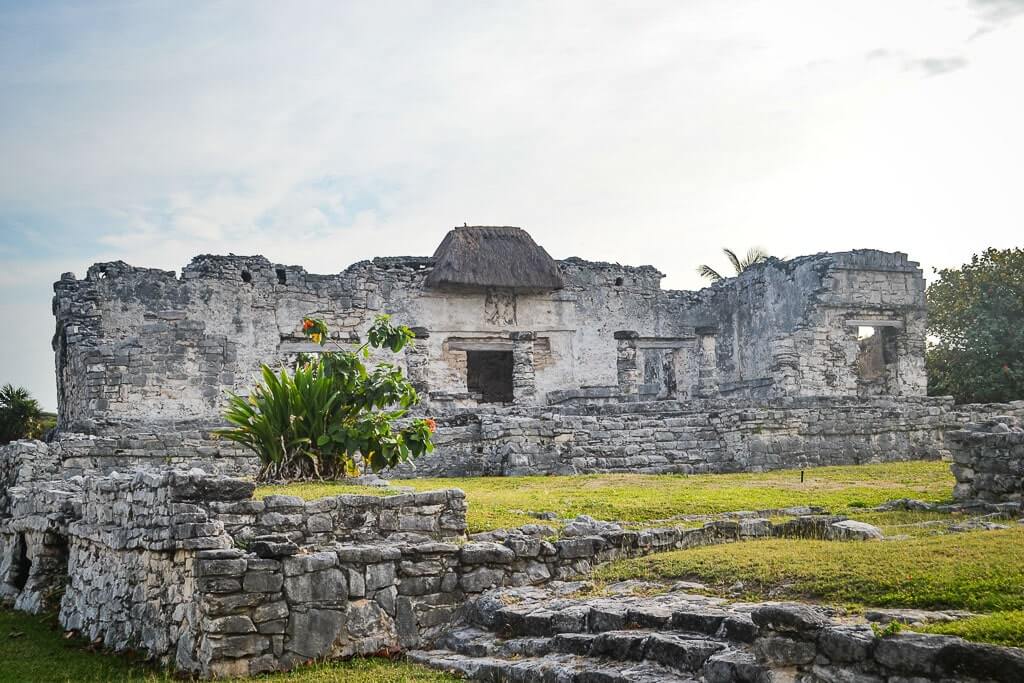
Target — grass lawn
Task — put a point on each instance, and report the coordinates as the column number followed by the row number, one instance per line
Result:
column 497, row 502
column 981, row 571
column 32, row 648
column 1001, row 628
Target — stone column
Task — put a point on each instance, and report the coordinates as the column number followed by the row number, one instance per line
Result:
column 417, row 360
column 627, row 364
column 524, row 388
column 707, row 369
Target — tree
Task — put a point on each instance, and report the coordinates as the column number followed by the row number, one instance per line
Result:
column 754, row 255
column 20, row 415
column 976, row 317
column 316, row 420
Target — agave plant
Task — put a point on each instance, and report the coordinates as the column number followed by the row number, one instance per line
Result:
column 331, row 413
column 754, row 255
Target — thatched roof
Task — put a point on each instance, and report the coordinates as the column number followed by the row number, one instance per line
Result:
column 481, row 257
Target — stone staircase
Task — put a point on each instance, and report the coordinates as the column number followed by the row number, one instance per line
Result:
column 527, row 635
column 558, row 634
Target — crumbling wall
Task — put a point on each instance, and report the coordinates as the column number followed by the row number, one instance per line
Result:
column 988, row 460
column 146, row 562
column 139, row 349
column 790, row 328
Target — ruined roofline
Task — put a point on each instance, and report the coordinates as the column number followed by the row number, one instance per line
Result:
column 854, row 259
column 578, row 262
column 232, row 266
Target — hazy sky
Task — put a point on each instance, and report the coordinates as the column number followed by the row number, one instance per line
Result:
column 320, row 134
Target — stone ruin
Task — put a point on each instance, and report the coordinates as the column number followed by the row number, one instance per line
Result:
column 131, row 522
column 499, row 323
column 529, row 365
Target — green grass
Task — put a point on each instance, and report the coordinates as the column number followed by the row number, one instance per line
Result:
column 1000, row 628
column 979, row 571
column 32, row 648
column 497, row 502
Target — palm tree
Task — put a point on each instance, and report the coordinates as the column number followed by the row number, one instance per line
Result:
column 19, row 413
column 754, row 255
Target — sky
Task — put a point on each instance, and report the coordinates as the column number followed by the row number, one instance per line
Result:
column 320, row 134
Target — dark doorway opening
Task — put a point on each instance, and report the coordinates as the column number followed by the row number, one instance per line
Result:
column 21, row 566
column 489, row 373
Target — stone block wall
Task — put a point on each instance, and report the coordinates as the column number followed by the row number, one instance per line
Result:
column 700, row 436
column 694, row 437
column 70, row 454
column 988, row 460
column 346, row 518
column 22, row 462
column 190, row 569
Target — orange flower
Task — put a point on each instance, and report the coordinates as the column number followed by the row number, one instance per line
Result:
column 307, row 324
column 431, row 425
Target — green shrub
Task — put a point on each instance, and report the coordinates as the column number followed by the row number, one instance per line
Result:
column 331, row 411
column 974, row 318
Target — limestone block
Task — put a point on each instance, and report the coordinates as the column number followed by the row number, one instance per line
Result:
column 323, row 586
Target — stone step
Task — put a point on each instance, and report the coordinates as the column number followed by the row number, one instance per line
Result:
column 551, row 668
column 684, row 652
column 601, row 616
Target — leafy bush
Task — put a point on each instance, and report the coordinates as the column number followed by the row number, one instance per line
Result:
column 976, row 313
column 20, row 415
column 331, row 411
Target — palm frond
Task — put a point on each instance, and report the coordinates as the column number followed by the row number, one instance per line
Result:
column 734, row 260
column 709, row 273
column 754, row 255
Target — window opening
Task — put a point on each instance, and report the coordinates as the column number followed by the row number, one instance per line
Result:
column 489, row 373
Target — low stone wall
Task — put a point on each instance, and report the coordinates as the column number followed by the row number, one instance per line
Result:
column 267, row 611
column 181, row 447
column 697, row 436
column 346, row 518
column 988, row 461
column 148, row 561
column 654, row 437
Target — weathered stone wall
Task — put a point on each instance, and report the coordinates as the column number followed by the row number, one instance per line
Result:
column 345, row 519
column 141, row 349
column 700, row 436
column 790, row 328
column 22, row 462
column 158, row 562
column 988, row 460
column 696, row 436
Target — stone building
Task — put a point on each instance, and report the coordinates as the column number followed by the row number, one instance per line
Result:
column 498, row 321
